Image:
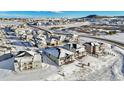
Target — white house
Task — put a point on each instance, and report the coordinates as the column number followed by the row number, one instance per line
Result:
column 27, row 60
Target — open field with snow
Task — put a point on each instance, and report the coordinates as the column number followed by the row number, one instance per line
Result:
column 116, row 37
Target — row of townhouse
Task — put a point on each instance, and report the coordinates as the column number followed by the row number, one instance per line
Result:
column 95, row 48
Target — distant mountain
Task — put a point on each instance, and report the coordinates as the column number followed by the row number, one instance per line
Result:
column 92, row 16
column 119, row 16
column 97, row 16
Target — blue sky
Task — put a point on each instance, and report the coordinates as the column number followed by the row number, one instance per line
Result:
column 57, row 14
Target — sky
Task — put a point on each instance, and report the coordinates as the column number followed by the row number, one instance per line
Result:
column 56, row 14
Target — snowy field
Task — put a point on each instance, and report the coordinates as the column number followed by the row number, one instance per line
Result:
column 76, row 24
column 117, row 37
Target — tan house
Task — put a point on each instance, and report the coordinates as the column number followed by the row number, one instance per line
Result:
column 52, row 41
column 27, row 60
column 29, row 37
column 59, row 55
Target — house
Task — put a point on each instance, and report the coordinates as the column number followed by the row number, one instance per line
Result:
column 78, row 50
column 28, row 37
column 27, row 60
column 71, row 38
column 74, row 38
column 59, row 55
column 53, row 41
column 94, row 48
column 5, row 49
column 40, row 41
column 61, row 37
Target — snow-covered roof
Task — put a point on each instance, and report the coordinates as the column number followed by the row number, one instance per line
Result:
column 96, row 43
column 52, row 39
column 58, row 51
column 93, row 43
column 32, row 53
column 77, row 45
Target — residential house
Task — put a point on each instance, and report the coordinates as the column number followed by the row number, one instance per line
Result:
column 40, row 41
column 5, row 49
column 71, row 38
column 74, row 38
column 59, row 55
column 27, row 60
column 53, row 41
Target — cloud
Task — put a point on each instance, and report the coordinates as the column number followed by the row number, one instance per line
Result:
column 58, row 12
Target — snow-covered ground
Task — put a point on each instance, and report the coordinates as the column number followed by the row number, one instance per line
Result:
column 99, row 69
column 116, row 37
column 76, row 24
